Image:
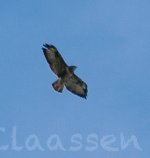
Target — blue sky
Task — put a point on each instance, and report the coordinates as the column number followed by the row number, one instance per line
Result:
column 108, row 40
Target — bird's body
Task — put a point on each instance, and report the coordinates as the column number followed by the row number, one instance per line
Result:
column 65, row 73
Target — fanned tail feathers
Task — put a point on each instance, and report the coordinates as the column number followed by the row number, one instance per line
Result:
column 58, row 85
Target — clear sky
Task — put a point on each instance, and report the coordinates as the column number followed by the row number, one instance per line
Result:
column 109, row 42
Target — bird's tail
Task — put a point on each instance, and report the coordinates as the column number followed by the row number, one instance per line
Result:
column 58, row 85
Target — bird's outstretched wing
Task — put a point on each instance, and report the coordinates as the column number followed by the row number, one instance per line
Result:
column 54, row 59
column 75, row 85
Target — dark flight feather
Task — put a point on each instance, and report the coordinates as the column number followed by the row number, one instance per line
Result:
column 75, row 85
column 54, row 59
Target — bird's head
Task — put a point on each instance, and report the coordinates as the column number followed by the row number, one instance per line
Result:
column 72, row 68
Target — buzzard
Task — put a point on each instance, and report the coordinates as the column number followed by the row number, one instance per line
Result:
column 65, row 73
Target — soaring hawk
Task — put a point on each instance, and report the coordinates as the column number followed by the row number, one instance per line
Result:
column 65, row 73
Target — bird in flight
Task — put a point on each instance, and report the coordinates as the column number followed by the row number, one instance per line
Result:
column 65, row 73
